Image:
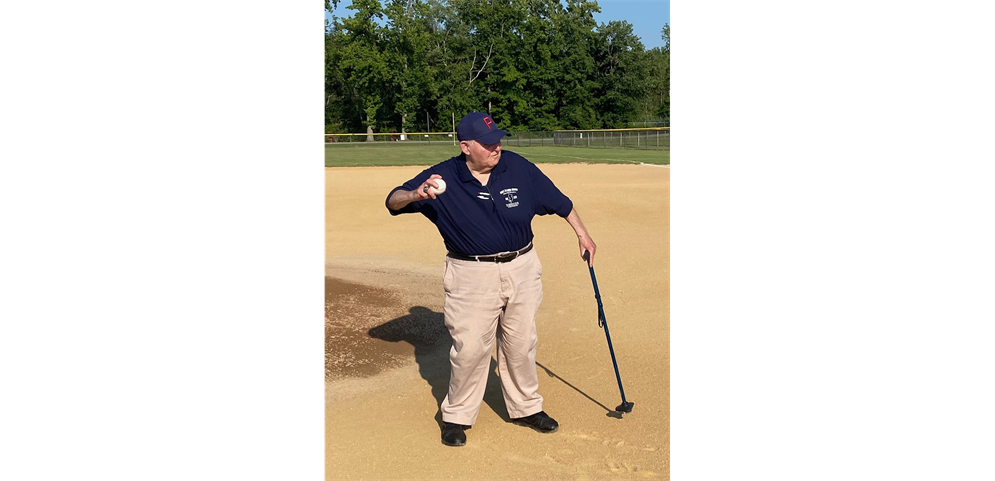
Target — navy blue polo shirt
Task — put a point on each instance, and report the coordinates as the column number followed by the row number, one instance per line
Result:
column 477, row 219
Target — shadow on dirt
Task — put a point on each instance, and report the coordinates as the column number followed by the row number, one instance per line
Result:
column 426, row 330
column 610, row 412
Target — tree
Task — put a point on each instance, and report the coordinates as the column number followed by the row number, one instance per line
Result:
column 465, row 52
column 575, row 65
column 664, row 76
column 406, row 41
column 363, row 62
column 622, row 69
column 528, row 79
column 495, row 46
column 655, row 102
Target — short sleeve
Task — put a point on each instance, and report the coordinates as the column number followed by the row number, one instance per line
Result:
column 548, row 199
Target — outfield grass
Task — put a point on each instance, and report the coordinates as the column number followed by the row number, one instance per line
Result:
column 362, row 154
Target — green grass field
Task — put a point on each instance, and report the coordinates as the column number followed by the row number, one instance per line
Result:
column 362, row 154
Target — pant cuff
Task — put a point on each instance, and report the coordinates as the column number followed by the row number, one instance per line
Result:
column 524, row 413
column 458, row 419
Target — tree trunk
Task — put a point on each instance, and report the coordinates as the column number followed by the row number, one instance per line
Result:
column 404, row 117
column 369, row 129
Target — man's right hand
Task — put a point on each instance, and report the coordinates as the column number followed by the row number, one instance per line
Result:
column 423, row 190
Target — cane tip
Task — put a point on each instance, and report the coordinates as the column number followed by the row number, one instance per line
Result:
column 625, row 407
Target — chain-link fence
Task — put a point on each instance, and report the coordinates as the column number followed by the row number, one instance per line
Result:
column 414, row 137
column 650, row 139
column 646, row 139
column 529, row 139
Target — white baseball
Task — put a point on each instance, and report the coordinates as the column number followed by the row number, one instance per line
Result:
column 440, row 189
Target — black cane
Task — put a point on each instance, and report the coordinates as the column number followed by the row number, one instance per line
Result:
column 625, row 407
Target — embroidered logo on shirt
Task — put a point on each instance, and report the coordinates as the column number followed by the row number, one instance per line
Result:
column 511, row 197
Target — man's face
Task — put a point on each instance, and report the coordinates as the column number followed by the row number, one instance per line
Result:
column 485, row 156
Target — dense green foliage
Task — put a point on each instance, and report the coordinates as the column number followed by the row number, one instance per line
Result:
column 532, row 64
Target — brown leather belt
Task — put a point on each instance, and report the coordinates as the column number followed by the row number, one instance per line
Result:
column 502, row 257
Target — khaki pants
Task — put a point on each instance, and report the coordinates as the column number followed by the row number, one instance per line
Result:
column 488, row 302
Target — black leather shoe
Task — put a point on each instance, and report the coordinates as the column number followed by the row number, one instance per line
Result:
column 539, row 421
column 453, row 435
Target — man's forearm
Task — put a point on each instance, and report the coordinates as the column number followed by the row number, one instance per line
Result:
column 574, row 220
column 401, row 198
column 584, row 240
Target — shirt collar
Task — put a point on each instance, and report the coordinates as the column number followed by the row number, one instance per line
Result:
column 464, row 172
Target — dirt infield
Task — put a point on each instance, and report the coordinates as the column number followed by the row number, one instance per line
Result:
column 387, row 364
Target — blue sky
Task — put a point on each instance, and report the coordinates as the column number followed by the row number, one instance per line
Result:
column 646, row 16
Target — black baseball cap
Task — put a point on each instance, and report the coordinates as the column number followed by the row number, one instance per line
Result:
column 480, row 127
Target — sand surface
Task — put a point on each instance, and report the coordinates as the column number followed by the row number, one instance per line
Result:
column 387, row 365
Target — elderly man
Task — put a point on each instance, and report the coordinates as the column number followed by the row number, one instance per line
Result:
column 492, row 277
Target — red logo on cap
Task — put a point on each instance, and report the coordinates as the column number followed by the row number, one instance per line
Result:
column 489, row 122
